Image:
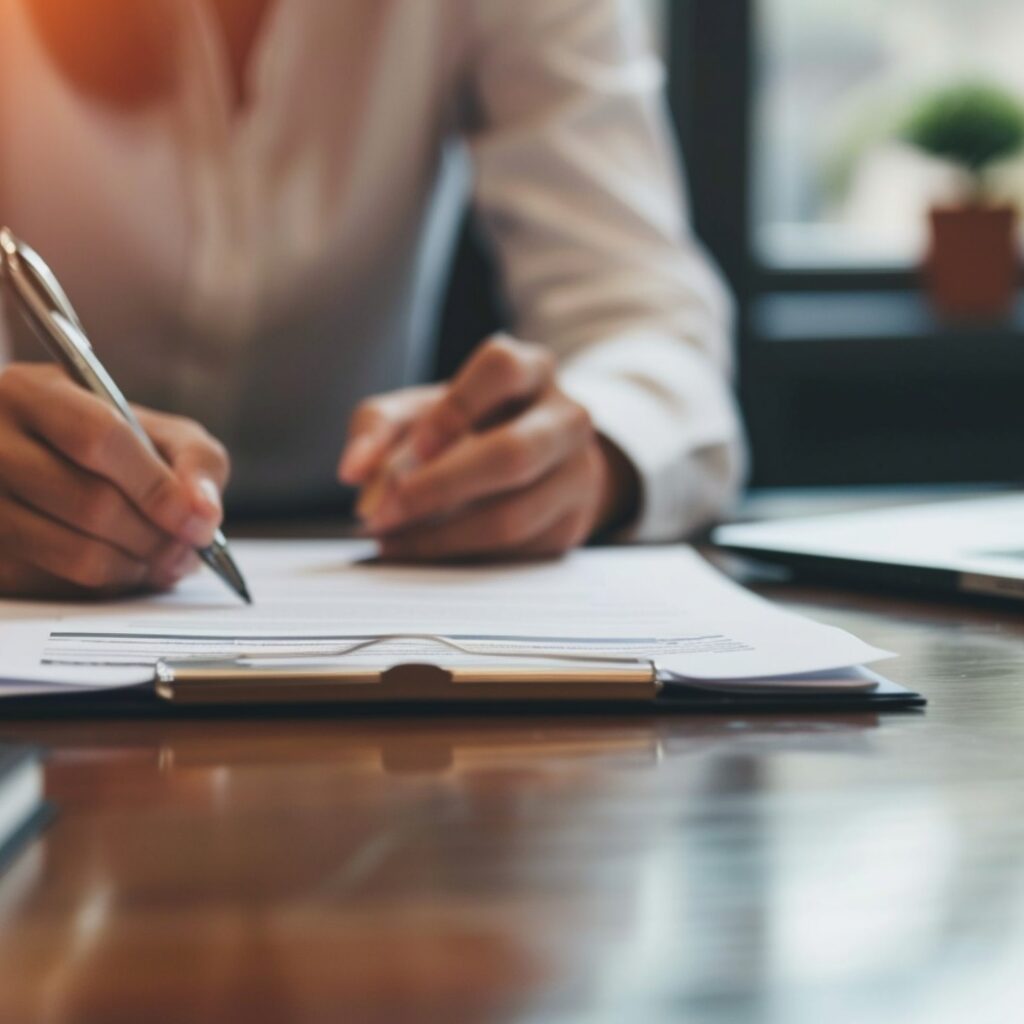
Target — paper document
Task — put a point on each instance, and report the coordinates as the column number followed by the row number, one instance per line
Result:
column 312, row 598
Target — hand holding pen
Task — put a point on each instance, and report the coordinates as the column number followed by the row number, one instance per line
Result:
column 497, row 463
column 96, row 497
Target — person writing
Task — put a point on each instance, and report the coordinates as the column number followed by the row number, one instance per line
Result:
column 251, row 203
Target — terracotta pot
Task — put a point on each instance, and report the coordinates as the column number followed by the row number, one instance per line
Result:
column 973, row 262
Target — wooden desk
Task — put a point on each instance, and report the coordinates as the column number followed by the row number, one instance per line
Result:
column 451, row 869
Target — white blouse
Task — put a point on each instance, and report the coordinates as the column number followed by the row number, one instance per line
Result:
column 262, row 269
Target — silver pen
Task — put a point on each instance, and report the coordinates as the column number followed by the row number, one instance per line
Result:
column 47, row 309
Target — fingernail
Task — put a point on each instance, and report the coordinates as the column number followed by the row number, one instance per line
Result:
column 198, row 530
column 208, row 494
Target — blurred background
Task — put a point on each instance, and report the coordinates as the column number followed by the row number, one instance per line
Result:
column 789, row 112
column 831, row 188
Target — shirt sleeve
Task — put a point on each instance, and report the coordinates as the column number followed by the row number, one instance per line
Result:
column 580, row 189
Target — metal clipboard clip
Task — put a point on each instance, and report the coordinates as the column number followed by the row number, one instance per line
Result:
column 291, row 677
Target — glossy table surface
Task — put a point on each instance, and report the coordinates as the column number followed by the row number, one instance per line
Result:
column 559, row 868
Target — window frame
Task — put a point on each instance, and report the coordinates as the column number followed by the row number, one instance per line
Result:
column 946, row 395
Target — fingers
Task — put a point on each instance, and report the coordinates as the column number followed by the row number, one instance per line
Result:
column 23, row 580
column 548, row 517
column 19, row 579
column 500, row 375
column 376, row 426
column 83, row 561
column 501, row 464
column 94, row 437
column 481, row 465
column 198, row 460
column 57, row 489
column 86, row 506
column 569, row 532
column 43, row 557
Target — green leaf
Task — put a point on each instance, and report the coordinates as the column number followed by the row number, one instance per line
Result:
column 973, row 124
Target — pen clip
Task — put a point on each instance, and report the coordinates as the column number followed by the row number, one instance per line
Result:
column 294, row 651
column 33, row 282
column 49, row 310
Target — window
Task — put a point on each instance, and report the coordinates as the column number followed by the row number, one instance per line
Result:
column 833, row 77
column 786, row 111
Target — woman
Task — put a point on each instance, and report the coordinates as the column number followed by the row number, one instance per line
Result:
column 251, row 203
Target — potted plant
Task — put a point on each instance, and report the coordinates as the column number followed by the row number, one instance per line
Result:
column 972, row 263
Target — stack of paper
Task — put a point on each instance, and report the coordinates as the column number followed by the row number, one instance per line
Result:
column 312, row 599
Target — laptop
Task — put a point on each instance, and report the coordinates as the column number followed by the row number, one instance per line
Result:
column 970, row 546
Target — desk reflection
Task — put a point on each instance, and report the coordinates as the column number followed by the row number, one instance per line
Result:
column 482, row 868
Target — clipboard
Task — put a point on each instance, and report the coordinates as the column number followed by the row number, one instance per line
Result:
column 224, row 683
column 493, row 676
column 510, row 679
column 433, row 690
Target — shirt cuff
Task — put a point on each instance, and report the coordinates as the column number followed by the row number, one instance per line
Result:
column 689, row 456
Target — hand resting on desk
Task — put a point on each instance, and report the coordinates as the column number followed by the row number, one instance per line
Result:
column 84, row 507
column 498, row 462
